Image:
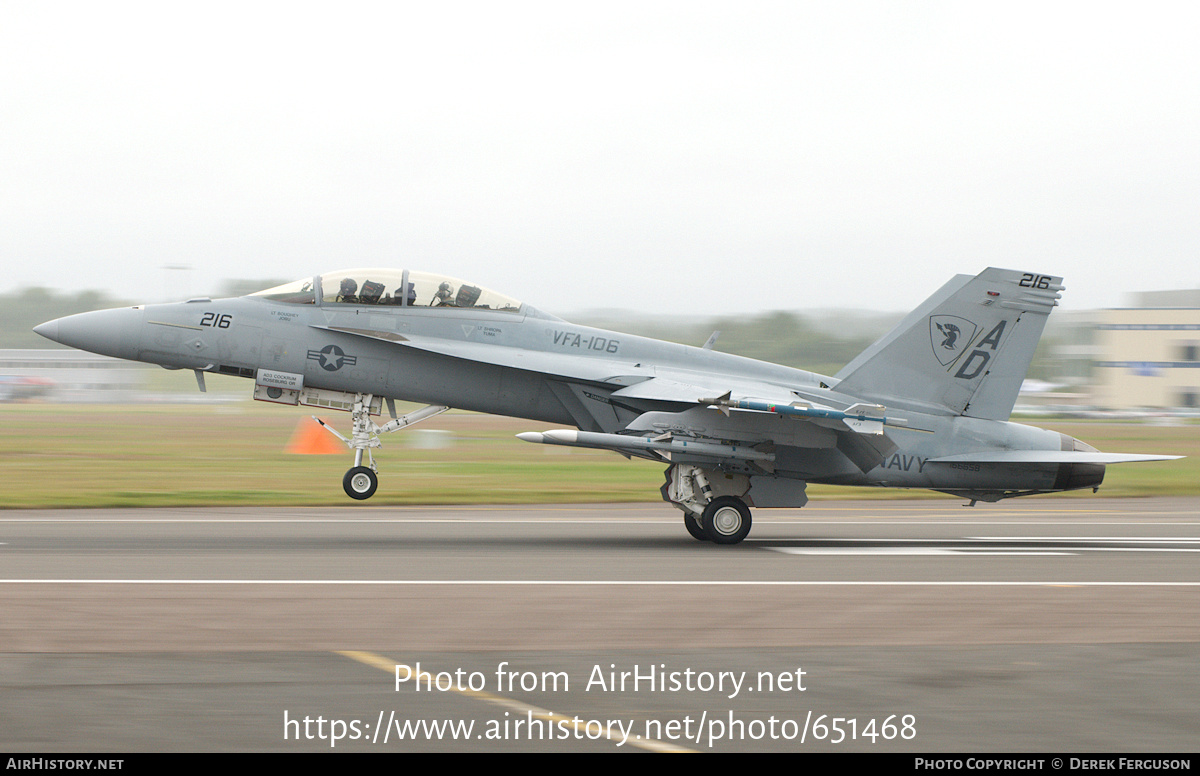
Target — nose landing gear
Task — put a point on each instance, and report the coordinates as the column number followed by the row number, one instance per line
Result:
column 361, row 481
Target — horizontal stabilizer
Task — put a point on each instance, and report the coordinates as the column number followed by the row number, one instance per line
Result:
column 1050, row 456
column 866, row 451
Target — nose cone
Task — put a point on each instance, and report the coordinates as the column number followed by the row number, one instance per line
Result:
column 107, row 332
column 49, row 329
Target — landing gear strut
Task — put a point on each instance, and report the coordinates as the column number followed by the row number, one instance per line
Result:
column 361, row 481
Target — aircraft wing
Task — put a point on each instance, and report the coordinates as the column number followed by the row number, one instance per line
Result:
column 738, row 414
column 559, row 364
column 728, row 420
column 679, row 386
column 732, row 395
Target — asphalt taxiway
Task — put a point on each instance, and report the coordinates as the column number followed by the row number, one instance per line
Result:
column 1032, row 624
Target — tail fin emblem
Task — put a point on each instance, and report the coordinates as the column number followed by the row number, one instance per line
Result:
column 949, row 334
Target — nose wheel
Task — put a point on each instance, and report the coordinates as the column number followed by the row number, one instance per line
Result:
column 360, row 483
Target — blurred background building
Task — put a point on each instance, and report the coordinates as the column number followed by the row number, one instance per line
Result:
column 62, row 374
column 1148, row 355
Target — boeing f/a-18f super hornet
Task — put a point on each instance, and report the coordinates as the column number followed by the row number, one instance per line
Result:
column 926, row 406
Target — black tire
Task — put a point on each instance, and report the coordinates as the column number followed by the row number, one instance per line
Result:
column 360, row 483
column 692, row 523
column 726, row 520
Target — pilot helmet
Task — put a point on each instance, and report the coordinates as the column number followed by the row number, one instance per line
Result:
column 349, row 286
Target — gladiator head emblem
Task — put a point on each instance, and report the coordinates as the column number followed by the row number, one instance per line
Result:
column 951, row 331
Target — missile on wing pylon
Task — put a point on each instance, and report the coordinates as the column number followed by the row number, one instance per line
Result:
column 863, row 418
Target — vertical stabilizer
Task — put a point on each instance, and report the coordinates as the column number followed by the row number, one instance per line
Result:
column 965, row 350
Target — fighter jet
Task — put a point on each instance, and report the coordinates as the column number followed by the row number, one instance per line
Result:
column 926, row 406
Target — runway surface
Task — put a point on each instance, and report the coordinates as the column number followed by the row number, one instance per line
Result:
column 1054, row 624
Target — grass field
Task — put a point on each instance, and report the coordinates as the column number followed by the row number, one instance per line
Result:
column 54, row 455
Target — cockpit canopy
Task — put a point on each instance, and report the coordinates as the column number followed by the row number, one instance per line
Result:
column 390, row 287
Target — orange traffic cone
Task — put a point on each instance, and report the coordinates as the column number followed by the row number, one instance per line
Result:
column 310, row 439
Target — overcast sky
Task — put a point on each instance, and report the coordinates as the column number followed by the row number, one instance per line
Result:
column 667, row 157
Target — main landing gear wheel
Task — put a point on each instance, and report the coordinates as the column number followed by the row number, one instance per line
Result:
column 726, row 520
column 360, row 483
column 692, row 523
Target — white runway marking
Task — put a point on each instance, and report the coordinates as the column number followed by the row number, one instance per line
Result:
column 1099, row 539
column 597, row 582
column 990, row 545
column 907, row 551
column 614, row 522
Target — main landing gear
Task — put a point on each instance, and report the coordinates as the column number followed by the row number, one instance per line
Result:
column 361, row 481
column 720, row 519
column 726, row 520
